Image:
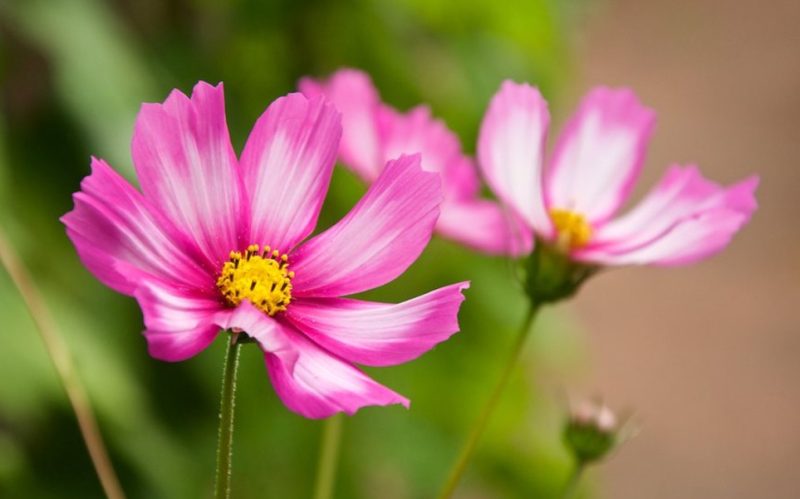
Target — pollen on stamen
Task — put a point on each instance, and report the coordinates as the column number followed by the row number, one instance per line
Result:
column 260, row 276
column 573, row 230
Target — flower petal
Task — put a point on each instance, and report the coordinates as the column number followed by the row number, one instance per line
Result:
column 461, row 177
column 187, row 168
column 485, row 226
column 354, row 95
column 465, row 218
column 268, row 332
column 511, row 148
column 120, row 237
column 374, row 133
column 180, row 324
column 309, row 380
column 599, row 155
column 377, row 241
column 418, row 132
column 685, row 218
column 380, row 334
column 316, row 384
column 286, row 165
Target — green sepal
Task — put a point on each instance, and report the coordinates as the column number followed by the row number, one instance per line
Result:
column 588, row 442
column 551, row 275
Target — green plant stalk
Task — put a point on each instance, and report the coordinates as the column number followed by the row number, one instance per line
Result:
column 571, row 488
column 226, row 410
column 329, row 456
column 479, row 426
column 65, row 369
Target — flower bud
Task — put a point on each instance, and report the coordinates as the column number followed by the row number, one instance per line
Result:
column 591, row 432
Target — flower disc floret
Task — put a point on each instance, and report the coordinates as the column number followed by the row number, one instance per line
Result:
column 262, row 277
column 572, row 228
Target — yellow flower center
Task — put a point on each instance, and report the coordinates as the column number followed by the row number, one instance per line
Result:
column 573, row 229
column 263, row 277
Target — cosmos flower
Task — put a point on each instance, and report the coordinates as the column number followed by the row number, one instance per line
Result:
column 214, row 242
column 374, row 132
column 572, row 202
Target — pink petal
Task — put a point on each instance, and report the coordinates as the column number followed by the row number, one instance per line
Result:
column 465, row 218
column 180, row 324
column 380, row 334
column 316, row 384
column 511, row 148
column 286, row 166
column 461, row 177
column 310, row 380
column 485, row 226
column 374, row 133
column 354, row 95
column 599, row 155
column 684, row 219
column 187, row 168
column 268, row 332
column 377, row 241
column 418, row 132
column 121, row 238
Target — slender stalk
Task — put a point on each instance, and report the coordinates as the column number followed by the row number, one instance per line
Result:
column 571, row 487
column 226, row 408
column 328, row 457
column 65, row 369
column 483, row 419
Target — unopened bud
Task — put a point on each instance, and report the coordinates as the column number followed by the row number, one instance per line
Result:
column 591, row 432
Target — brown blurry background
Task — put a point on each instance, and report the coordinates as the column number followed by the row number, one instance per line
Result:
column 707, row 355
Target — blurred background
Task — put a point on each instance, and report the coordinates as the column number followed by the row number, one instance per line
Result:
column 704, row 356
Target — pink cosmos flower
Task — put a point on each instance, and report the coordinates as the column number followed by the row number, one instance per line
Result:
column 572, row 202
column 374, row 132
column 214, row 242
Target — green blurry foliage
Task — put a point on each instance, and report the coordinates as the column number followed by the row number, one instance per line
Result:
column 74, row 73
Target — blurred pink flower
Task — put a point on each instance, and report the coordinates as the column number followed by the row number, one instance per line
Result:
column 192, row 247
column 572, row 202
column 374, row 132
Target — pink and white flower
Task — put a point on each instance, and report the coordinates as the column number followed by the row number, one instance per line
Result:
column 571, row 202
column 213, row 241
column 374, row 132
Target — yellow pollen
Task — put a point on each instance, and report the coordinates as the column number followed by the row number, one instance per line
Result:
column 573, row 229
column 263, row 277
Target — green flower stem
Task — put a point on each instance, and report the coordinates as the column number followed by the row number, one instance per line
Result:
column 328, row 456
column 571, row 488
column 65, row 369
column 480, row 424
column 226, row 407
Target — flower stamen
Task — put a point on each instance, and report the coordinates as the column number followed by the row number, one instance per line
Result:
column 260, row 276
column 572, row 228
